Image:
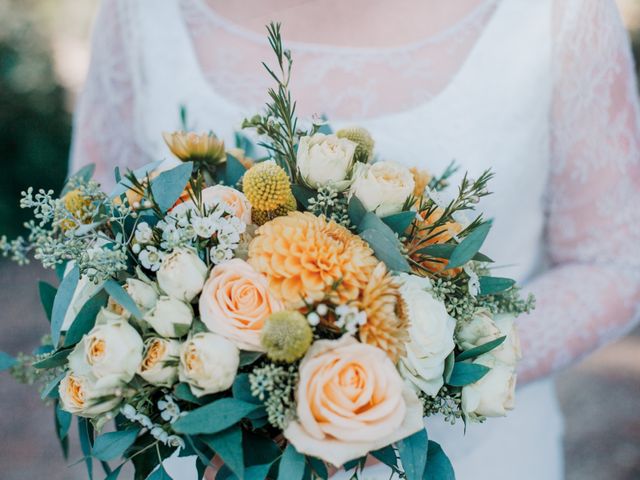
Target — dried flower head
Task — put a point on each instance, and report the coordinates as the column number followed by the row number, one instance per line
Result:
column 190, row 146
column 286, row 336
column 266, row 186
column 361, row 136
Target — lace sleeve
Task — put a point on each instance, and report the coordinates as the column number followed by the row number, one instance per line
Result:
column 104, row 132
column 591, row 294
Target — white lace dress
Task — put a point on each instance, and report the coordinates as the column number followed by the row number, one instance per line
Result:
column 541, row 91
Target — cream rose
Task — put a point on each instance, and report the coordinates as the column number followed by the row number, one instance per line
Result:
column 208, row 363
column 107, row 315
column 110, row 350
column 212, row 196
column 88, row 397
column 494, row 394
column 509, row 351
column 350, row 401
column 170, row 317
column 235, row 303
column 382, row 187
column 483, row 328
column 159, row 364
column 142, row 294
column 431, row 335
column 182, row 274
column 326, row 160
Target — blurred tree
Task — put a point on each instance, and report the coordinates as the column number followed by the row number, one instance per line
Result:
column 35, row 125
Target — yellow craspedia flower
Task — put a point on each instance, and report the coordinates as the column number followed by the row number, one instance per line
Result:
column 308, row 257
column 361, row 136
column 266, row 186
column 191, row 146
column 78, row 205
column 260, row 217
column 286, row 336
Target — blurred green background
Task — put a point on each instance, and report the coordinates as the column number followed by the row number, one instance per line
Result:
column 44, row 54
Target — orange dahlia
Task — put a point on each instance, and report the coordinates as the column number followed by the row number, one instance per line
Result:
column 308, row 257
column 387, row 323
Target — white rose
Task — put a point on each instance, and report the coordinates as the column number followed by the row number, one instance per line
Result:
column 107, row 315
column 382, row 187
column 494, row 394
column 182, row 274
column 142, row 294
column 208, row 363
column 111, row 350
column 479, row 330
column 159, row 364
column 431, row 336
column 170, row 317
column 509, row 351
column 88, row 397
column 81, row 295
column 326, row 160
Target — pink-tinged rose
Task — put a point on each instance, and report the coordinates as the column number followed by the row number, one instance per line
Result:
column 350, row 401
column 212, row 196
column 235, row 302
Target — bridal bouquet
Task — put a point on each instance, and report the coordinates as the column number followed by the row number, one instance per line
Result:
column 284, row 314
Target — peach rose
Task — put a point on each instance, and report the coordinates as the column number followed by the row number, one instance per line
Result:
column 211, row 196
column 350, row 401
column 235, row 302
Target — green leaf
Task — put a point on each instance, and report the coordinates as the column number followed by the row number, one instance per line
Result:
column 492, row 285
column 386, row 455
column 449, row 362
column 86, row 318
column 292, row 464
column 413, row 454
column 386, row 250
column 47, row 296
column 356, row 210
column 444, row 250
column 214, row 417
column 469, row 246
column 233, row 171
column 6, row 361
column 399, row 222
column 183, row 392
column 245, row 143
column 438, row 465
column 259, row 450
column 241, row 389
column 114, row 475
column 318, row 467
column 228, row 444
column 85, row 173
column 303, row 194
column 139, row 173
column 247, row 358
column 121, row 296
column 58, row 359
column 51, row 389
column 480, row 350
column 467, row 373
column 60, row 269
column 113, row 444
column 63, row 423
column 169, row 185
column 159, row 474
column 85, row 432
column 62, row 301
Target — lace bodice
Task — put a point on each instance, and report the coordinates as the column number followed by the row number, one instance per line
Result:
column 543, row 91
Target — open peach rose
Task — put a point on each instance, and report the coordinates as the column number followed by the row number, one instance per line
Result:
column 235, row 302
column 350, row 401
column 211, row 196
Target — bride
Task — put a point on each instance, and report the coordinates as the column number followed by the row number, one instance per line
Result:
column 541, row 91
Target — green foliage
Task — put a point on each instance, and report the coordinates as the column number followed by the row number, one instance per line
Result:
column 112, row 445
column 438, row 464
column 466, row 373
column 493, row 285
column 169, row 185
column 214, row 417
column 481, row 350
column 62, row 301
column 292, row 464
column 413, row 454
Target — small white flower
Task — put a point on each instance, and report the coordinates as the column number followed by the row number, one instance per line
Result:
column 220, row 253
column 144, row 233
column 228, row 236
column 150, row 258
column 313, row 319
column 474, row 281
column 322, row 309
column 170, row 411
column 136, row 248
column 204, row 227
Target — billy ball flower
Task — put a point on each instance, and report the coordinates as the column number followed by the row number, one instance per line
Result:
column 260, row 217
column 361, row 137
column 78, row 205
column 266, row 186
column 286, row 336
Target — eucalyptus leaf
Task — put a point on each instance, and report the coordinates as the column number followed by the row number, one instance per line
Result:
column 62, row 301
column 86, row 318
column 386, row 455
column 214, row 417
column 114, row 474
column 51, row 388
column 139, row 173
column 47, row 296
column 241, row 389
column 169, row 185
column 449, row 362
column 469, row 246
column 386, row 250
column 113, row 444
column 159, row 474
column 121, row 296
column 247, row 358
column 6, row 361
column 85, row 433
column 292, row 464
column 444, row 250
column 233, row 170
column 63, row 421
column 480, row 350
column 466, row 373
column 57, row 359
column 318, row 467
column 413, row 454
column 228, row 445
column 493, row 285
column 399, row 222
column 438, row 464
column 356, row 210
column 183, row 392
column 303, row 194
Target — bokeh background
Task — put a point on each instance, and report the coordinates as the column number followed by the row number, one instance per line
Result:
column 44, row 54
